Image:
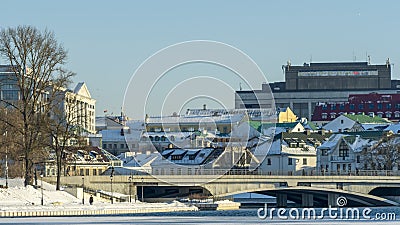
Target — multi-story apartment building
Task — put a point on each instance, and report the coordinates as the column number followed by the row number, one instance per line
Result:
column 77, row 104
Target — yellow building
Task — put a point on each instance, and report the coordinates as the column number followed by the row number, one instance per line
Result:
column 286, row 115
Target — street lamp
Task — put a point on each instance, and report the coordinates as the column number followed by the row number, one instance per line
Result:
column 130, row 193
column 41, row 187
column 6, row 169
column 83, row 189
column 142, row 189
column 111, row 178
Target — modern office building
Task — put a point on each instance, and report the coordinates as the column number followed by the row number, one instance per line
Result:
column 307, row 85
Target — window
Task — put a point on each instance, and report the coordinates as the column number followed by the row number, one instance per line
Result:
column 358, row 159
column 81, row 172
column 324, row 115
column 304, row 161
column 371, row 106
column 352, row 107
column 342, row 106
column 361, row 106
column 122, row 145
column 343, row 150
column 104, row 146
column 94, row 172
column 268, row 161
column 397, row 106
column 115, row 146
column 290, row 161
column 333, row 107
column 341, row 121
column 100, row 171
column 324, row 152
column 87, row 172
column 333, row 115
column 380, row 106
column 396, row 114
column 324, row 107
column 388, row 106
column 388, row 114
column 10, row 95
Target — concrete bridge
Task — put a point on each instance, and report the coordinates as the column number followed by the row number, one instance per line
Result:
column 316, row 190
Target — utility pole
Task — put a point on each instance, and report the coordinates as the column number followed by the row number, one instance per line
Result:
column 6, row 172
column 142, row 190
column 41, row 187
column 83, row 189
column 130, row 193
column 111, row 179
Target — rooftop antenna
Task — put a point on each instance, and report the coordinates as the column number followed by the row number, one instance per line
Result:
column 369, row 60
column 240, row 86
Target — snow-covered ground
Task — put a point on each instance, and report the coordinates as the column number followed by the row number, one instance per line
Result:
column 17, row 198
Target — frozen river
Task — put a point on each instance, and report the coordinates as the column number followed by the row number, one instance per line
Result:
column 243, row 216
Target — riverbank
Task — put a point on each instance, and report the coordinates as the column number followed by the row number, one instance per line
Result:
column 20, row 201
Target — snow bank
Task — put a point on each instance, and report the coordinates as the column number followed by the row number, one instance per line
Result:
column 18, row 198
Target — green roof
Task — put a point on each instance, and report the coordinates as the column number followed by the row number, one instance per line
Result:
column 312, row 125
column 255, row 124
column 258, row 125
column 366, row 119
column 368, row 134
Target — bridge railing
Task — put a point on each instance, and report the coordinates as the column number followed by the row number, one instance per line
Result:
column 220, row 172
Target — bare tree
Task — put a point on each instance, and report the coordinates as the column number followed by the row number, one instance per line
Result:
column 65, row 130
column 35, row 59
column 384, row 155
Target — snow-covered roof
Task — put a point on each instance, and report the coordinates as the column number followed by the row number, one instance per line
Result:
column 195, row 119
column 340, row 123
column 200, row 155
column 332, row 142
column 275, row 148
column 395, row 128
column 374, row 126
column 140, row 160
column 359, row 143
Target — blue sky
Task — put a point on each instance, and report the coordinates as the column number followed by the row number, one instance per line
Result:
column 108, row 40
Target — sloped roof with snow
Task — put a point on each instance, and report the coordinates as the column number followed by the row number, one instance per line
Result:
column 340, row 123
column 332, row 142
column 395, row 128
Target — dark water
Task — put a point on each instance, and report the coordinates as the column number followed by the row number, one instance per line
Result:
column 242, row 216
